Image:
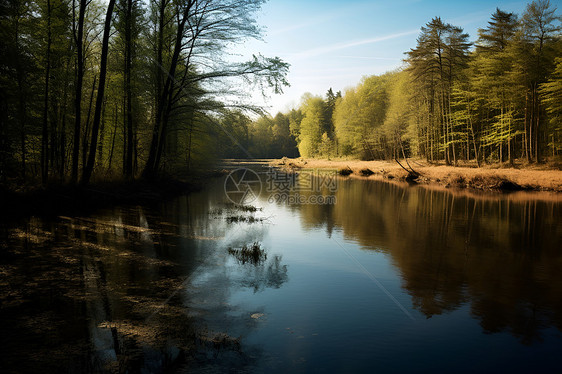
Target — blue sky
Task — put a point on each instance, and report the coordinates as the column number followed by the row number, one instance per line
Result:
column 335, row 43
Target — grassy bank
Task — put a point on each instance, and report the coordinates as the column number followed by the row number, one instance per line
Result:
column 489, row 177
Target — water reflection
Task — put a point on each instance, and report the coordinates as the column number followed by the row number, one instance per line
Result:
column 152, row 289
column 499, row 253
column 128, row 289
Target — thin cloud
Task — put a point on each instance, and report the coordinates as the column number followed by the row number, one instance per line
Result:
column 313, row 22
column 471, row 18
column 339, row 46
column 369, row 57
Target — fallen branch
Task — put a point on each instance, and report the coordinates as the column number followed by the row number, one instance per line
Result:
column 412, row 174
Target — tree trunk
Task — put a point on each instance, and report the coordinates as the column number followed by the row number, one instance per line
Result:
column 3, row 125
column 526, row 133
column 102, row 129
column 87, row 129
column 113, row 140
column 78, row 89
column 99, row 100
column 164, row 106
column 537, row 121
column 45, row 132
column 128, row 90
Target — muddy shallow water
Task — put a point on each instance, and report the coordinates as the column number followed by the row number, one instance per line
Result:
column 366, row 276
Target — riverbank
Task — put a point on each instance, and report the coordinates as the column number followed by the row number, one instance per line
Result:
column 489, row 177
column 69, row 199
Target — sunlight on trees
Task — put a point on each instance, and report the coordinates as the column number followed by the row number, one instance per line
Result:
column 119, row 88
column 494, row 101
column 144, row 89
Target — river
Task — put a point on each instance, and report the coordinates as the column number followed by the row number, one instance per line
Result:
column 312, row 273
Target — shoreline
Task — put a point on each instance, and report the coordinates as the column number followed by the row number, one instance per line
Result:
column 487, row 178
column 68, row 199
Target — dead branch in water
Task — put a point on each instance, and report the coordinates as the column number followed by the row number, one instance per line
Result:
column 412, row 174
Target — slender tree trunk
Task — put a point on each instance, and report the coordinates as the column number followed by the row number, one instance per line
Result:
column 164, row 105
column 128, row 89
column 78, row 39
column 102, row 129
column 22, row 136
column 113, row 140
column 531, row 126
column 537, row 121
column 52, row 147
column 62, row 145
column 149, row 169
column 3, row 125
column 526, row 133
column 45, row 132
column 21, row 100
column 451, row 127
column 87, row 129
column 500, row 146
column 136, row 154
column 164, row 126
column 99, row 100
column 124, row 128
column 509, row 142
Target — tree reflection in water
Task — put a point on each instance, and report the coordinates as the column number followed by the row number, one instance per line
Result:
column 500, row 253
column 153, row 289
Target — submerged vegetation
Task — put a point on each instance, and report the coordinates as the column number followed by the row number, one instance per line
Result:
column 253, row 254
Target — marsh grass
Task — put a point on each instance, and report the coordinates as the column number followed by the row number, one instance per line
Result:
column 252, row 254
column 247, row 219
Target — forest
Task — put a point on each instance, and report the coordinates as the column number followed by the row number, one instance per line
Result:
column 121, row 89
column 124, row 89
column 492, row 101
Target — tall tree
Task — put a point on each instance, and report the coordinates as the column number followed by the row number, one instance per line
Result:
column 440, row 54
column 203, row 28
column 493, row 80
column 535, row 50
column 88, row 169
column 310, row 134
column 551, row 92
column 79, row 43
column 45, row 132
column 129, row 27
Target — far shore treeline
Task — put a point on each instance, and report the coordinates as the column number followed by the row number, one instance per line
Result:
column 93, row 89
column 494, row 100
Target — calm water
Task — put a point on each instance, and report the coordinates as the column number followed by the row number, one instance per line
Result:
column 386, row 278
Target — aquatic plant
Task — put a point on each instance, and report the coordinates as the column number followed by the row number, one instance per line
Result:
column 252, row 254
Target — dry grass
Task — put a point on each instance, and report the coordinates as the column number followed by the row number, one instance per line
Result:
column 531, row 177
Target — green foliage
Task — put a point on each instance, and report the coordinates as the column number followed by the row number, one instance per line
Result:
column 168, row 86
column 359, row 115
column 399, row 128
column 551, row 92
column 450, row 102
column 266, row 137
column 314, row 117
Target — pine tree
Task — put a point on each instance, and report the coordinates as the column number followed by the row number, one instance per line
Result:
column 435, row 63
column 493, row 80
